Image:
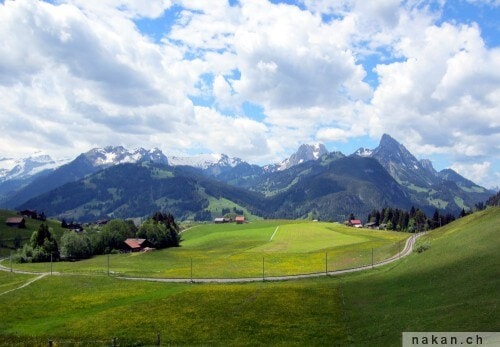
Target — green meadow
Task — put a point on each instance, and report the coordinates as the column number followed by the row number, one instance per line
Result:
column 452, row 286
column 258, row 249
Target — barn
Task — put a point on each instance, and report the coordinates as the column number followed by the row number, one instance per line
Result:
column 16, row 222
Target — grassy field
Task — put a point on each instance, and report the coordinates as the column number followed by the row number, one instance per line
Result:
column 452, row 286
column 238, row 251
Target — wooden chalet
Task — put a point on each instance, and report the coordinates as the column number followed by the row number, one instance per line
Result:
column 239, row 219
column 16, row 222
column 355, row 223
column 137, row 245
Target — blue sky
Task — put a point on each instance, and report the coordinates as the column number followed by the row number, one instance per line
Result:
column 254, row 78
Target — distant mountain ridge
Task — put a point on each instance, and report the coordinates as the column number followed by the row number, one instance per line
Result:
column 85, row 164
column 21, row 168
column 310, row 181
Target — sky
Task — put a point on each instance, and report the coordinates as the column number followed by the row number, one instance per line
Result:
column 253, row 79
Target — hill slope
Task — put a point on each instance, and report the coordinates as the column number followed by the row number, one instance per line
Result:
column 453, row 286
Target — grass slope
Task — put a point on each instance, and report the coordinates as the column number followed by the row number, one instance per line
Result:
column 453, row 286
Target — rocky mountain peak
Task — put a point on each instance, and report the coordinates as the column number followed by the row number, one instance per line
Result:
column 304, row 153
column 114, row 155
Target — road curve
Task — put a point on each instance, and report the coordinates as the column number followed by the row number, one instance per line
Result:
column 408, row 248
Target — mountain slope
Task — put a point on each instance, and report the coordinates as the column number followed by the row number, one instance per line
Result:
column 18, row 173
column 135, row 190
column 330, row 189
column 337, row 188
column 85, row 164
column 427, row 188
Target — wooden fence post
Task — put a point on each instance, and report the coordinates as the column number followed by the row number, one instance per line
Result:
column 263, row 273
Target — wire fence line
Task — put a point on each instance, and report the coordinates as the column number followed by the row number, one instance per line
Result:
column 251, row 266
column 151, row 339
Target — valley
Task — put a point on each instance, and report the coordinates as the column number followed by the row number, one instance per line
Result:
column 451, row 286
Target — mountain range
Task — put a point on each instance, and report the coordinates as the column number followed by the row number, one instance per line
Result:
column 115, row 182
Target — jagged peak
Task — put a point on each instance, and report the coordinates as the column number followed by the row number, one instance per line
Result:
column 204, row 161
column 364, row 152
column 112, row 155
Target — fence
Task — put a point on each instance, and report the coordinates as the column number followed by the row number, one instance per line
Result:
column 153, row 339
column 244, row 266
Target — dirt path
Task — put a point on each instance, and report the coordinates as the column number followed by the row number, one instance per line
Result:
column 25, row 284
column 408, row 248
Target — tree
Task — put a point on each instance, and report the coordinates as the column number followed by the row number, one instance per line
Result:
column 75, row 245
column 18, row 241
column 161, row 230
column 112, row 236
column 42, row 247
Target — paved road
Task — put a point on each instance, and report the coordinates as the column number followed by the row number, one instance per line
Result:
column 408, row 248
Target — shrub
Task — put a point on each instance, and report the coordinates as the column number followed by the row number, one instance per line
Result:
column 423, row 247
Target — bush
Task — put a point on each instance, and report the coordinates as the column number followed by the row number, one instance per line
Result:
column 423, row 247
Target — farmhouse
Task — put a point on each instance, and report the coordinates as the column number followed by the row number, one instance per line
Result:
column 239, row 219
column 220, row 220
column 16, row 222
column 355, row 223
column 137, row 245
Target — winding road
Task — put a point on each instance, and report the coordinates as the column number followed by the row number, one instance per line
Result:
column 408, row 248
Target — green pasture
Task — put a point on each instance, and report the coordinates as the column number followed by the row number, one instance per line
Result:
column 245, row 250
column 452, row 286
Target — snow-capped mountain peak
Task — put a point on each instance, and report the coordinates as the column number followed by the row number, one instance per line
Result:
column 205, row 161
column 303, row 154
column 114, row 155
column 364, row 152
column 26, row 167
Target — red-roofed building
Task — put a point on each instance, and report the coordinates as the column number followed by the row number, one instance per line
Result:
column 16, row 222
column 355, row 223
column 137, row 245
column 239, row 219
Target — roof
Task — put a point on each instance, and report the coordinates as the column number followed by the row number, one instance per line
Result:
column 239, row 218
column 14, row 220
column 355, row 221
column 134, row 243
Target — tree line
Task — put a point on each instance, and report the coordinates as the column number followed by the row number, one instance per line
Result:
column 161, row 230
column 414, row 220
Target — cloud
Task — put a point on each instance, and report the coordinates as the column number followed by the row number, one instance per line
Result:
column 236, row 136
column 477, row 172
column 67, row 74
column 287, row 60
column 80, row 74
column 446, row 86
